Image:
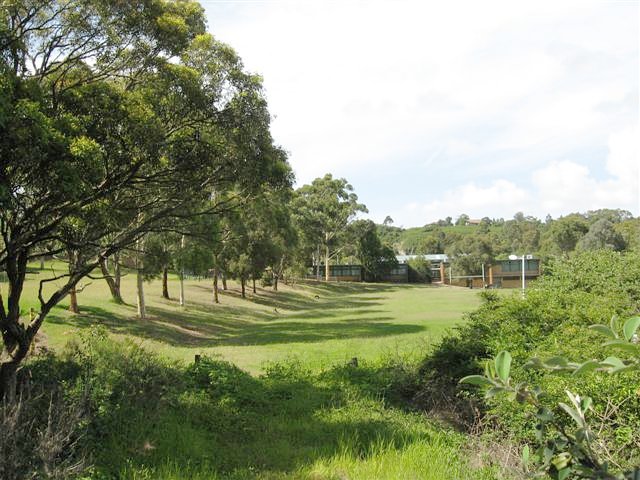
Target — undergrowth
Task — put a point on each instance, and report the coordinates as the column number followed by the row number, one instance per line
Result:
column 150, row 418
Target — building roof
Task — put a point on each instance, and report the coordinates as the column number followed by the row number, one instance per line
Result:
column 434, row 257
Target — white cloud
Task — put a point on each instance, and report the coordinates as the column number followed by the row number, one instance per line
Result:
column 500, row 196
column 479, row 88
column 623, row 161
column 563, row 186
column 558, row 188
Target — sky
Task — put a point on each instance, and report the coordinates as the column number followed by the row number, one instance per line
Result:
column 435, row 108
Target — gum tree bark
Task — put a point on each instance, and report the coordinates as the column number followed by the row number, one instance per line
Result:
column 73, row 301
column 215, row 286
column 142, row 310
column 182, row 273
column 165, row 282
column 113, row 281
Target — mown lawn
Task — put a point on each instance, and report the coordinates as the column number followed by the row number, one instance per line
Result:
column 321, row 324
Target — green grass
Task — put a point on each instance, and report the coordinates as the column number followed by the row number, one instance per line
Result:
column 322, row 324
column 295, row 411
column 215, row 421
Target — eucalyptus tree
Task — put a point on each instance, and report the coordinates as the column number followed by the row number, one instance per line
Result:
column 114, row 117
column 324, row 210
column 470, row 252
column 561, row 236
column 376, row 258
column 601, row 235
column 249, row 246
column 285, row 241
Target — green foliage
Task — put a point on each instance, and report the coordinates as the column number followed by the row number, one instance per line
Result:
column 323, row 210
column 419, row 270
column 376, row 258
column 552, row 322
column 602, row 234
column 149, row 418
column 470, row 253
column 615, row 229
column 567, row 450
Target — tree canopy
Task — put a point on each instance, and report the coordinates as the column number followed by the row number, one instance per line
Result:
column 117, row 119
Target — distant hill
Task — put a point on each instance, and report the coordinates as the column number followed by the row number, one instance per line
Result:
column 498, row 238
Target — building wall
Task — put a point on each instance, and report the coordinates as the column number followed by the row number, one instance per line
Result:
column 508, row 273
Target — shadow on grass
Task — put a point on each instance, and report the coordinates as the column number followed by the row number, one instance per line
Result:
column 340, row 311
column 240, row 326
column 296, row 301
column 228, row 423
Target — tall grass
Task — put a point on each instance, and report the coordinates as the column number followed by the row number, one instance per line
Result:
column 154, row 419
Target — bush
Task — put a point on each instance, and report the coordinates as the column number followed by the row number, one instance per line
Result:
column 552, row 320
column 419, row 270
column 39, row 436
column 266, row 280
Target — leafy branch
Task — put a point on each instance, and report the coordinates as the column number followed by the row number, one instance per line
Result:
column 565, row 452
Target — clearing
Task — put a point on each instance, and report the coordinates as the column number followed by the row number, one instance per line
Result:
column 319, row 323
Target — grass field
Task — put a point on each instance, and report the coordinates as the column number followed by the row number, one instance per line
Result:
column 321, row 324
column 310, row 416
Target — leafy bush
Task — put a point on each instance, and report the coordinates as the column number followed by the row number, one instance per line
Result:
column 578, row 448
column 551, row 321
column 419, row 270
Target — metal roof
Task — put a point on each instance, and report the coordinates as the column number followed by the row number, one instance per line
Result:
column 434, row 257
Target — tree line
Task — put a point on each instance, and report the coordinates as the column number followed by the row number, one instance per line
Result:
column 470, row 244
column 130, row 138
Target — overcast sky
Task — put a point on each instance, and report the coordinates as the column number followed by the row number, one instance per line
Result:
column 436, row 108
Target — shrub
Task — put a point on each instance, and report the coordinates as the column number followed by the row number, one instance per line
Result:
column 419, row 270
column 39, row 437
column 569, row 443
column 552, row 320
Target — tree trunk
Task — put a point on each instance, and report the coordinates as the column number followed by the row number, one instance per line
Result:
column 224, row 281
column 254, row 284
column 215, row 286
column 165, row 282
column 8, row 381
column 73, row 301
column 242, row 282
column 73, row 294
column 41, row 263
column 326, row 263
column 277, row 273
column 142, row 310
column 17, row 335
column 181, row 288
column 182, row 274
column 114, row 287
column 116, row 273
